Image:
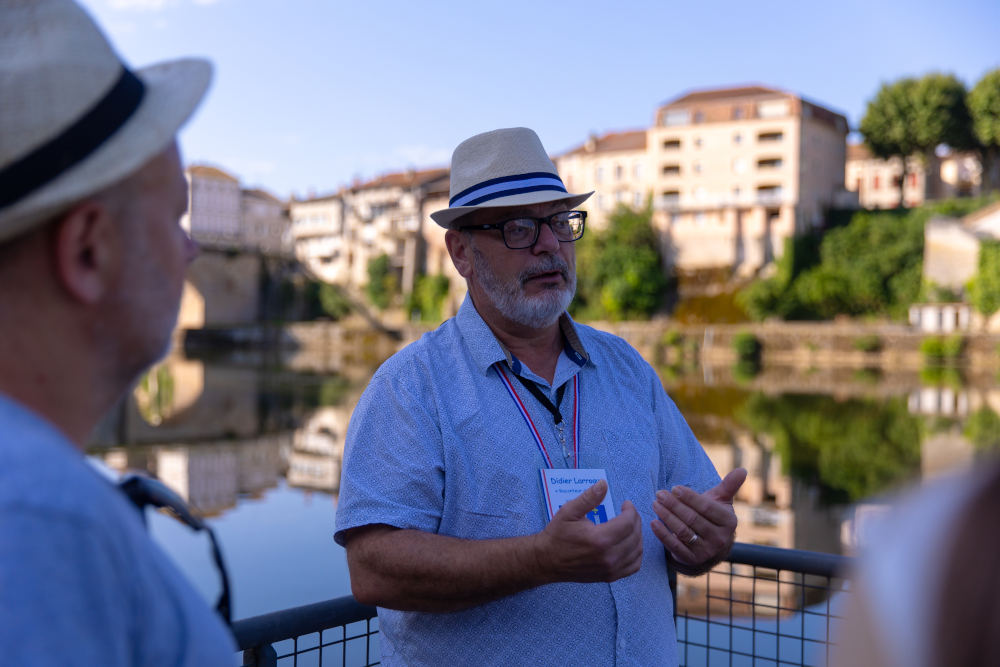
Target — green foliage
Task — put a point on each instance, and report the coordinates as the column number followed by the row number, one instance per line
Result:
column 886, row 125
column 870, row 266
column 938, row 350
column 982, row 428
column 155, row 394
column 984, row 106
column 333, row 302
column 619, row 271
column 912, row 115
column 984, row 289
column 853, row 449
column 942, row 376
column 382, row 282
column 427, row 298
column 868, row 343
column 775, row 296
column 747, row 346
column 672, row 338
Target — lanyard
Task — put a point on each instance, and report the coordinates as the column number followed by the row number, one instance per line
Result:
column 556, row 414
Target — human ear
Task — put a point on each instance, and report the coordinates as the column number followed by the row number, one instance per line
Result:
column 85, row 250
column 460, row 250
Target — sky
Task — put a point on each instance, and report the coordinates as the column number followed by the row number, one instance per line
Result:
column 310, row 95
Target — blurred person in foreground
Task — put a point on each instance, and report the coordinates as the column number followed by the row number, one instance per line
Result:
column 925, row 587
column 468, row 505
column 92, row 262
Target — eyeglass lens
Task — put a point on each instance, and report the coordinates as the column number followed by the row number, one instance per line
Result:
column 523, row 232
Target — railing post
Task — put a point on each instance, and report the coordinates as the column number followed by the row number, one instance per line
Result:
column 260, row 656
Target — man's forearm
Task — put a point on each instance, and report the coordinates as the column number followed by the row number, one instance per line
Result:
column 417, row 571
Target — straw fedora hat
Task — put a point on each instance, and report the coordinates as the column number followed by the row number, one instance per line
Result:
column 507, row 167
column 73, row 118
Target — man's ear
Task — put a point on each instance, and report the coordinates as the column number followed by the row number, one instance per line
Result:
column 86, row 248
column 460, row 251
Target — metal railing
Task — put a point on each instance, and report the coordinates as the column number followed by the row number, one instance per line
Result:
column 761, row 606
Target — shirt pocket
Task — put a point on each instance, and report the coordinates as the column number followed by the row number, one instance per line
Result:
column 492, row 504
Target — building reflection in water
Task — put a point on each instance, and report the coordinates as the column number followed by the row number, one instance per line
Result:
column 223, row 433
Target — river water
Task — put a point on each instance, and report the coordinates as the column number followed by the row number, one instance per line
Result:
column 255, row 442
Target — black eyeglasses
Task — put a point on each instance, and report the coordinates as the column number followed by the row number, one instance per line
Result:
column 518, row 233
column 143, row 491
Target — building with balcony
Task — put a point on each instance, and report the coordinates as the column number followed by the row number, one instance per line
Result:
column 737, row 171
column 616, row 166
column 266, row 225
column 320, row 239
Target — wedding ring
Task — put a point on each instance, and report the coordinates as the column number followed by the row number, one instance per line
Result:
column 694, row 538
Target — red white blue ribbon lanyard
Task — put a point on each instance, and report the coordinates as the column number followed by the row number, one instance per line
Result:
column 531, row 424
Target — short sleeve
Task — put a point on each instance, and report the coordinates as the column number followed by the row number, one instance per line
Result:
column 393, row 471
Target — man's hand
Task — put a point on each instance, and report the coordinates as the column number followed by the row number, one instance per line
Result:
column 698, row 529
column 571, row 548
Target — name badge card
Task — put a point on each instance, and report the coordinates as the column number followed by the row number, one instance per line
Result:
column 561, row 485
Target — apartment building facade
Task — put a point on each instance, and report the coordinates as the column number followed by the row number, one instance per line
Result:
column 616, row 166
column 336, row 236
column 222, row 214
column 739, row 170
column 321, row 240
column 876, row 181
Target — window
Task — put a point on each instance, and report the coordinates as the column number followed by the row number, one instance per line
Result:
column 676, row 117
column 637, row 200
column 637, row 171
column 773, row 109
column 671, row 198
column 774, row 137
column 769, row 163
column 697, row 142
column 671, row 170
column 739, row 165
column 875, row 182
column 738, row 113
column 599, row 174
column 696, row 167
column 619, row 172
column 671, row 144
column 738, row 138
column 699, row 116
column 769, row 193
column 736, row 193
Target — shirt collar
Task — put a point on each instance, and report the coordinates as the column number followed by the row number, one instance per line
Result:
column 486, row 349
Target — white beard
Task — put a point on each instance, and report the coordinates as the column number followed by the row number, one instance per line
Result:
column 536, row 312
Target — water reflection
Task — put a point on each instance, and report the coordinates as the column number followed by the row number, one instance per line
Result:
column 256, row 442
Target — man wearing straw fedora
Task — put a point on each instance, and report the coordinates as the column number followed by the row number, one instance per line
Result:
column 516, row 483
column 92, row 263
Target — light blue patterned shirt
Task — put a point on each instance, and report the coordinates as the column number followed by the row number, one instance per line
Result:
column 437, row 444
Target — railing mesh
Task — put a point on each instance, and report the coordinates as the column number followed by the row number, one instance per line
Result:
column 756, row 616
column 763, row 607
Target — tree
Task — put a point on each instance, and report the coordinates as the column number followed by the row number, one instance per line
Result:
column 915, row 116
column 984, row 106
column 886, row 124
column 382, row 283
column 620, row 273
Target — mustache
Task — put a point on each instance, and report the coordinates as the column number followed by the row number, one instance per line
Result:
column 545, row 265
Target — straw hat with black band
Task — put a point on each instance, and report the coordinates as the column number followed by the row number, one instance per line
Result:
column 74, row 119
column 502, row 168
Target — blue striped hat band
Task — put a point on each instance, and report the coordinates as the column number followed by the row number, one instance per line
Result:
column 507, row 186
